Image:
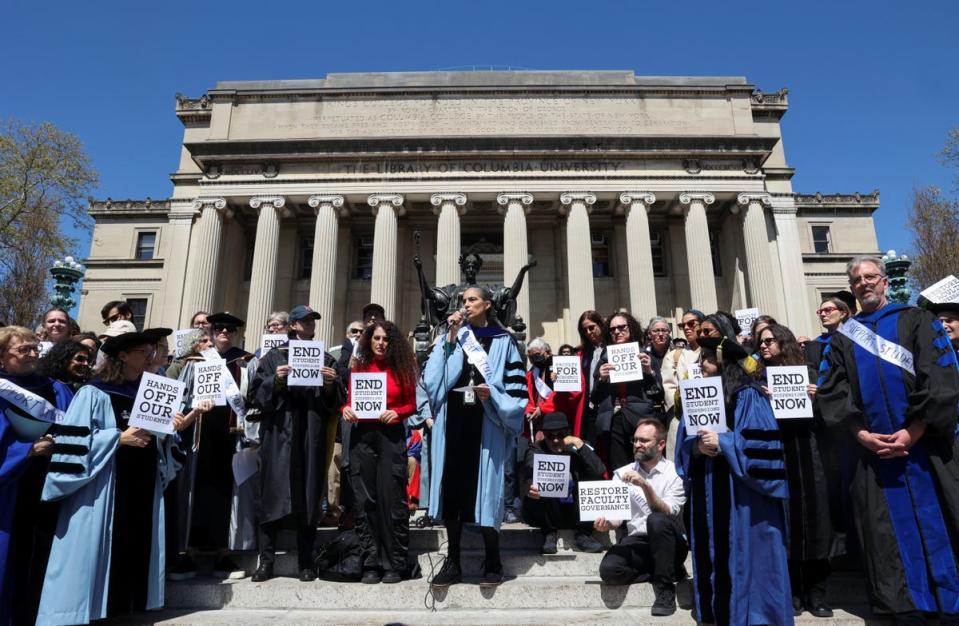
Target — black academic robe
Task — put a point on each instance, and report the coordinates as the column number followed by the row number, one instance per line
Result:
column 292, row 439
column 906, row 509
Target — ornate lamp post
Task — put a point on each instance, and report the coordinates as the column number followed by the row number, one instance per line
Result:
column 67, row 273
column 896, row 269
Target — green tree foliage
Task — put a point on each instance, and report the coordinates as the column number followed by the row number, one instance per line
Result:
column 45, row 178
column 934, row 222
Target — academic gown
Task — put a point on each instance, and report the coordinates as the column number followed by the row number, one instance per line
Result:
column 737, row 506
column 292, row 439
column 502, row 419
column 34, row 521
column 906, row 509
column 108, row 553
column 13, row 463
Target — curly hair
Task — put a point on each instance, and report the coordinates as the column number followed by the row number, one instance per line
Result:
column 635, row 328
column 56, row 363
column 399, row 355
column 790, row 351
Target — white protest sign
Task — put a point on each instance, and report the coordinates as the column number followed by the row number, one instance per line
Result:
column 568, row 376
column 746, row 317
column 157, row 402
column 268, row 342
column 695, row 371
column 551, row 475
column 208, row 383
column 946, row 290
column 604, row 498
column 625, row 359
column 43, row 348
column 704, row 406
column 306, row 360
column 211, row 354
column 787, row 388
column 368, row 394
column 179, row 336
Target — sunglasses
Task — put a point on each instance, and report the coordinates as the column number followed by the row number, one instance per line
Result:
column 222, row 327
column 690, row 324
column 768, row 341
column 356, row 331
column 618, row 329
column 826, row 311
column 556, row 434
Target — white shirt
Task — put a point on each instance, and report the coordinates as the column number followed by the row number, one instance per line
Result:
column 676, row 370
column 666, row 484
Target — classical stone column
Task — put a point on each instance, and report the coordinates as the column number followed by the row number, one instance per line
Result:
column 449, row 207
column 795, row 289
column 386, row 208
column 204, row 255
column 639, row 254
column 266, row 246
column 699, row 258
column 328, row 209
column 579, row 256
column 759, row 267
column 515, row 206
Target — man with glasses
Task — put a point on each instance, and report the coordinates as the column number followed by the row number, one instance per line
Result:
column 654, row 547
column 890, row 383
column 552, row 514
column 116, row 310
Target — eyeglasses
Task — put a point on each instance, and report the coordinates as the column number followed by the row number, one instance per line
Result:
column 868, row 279
column 356, row 331
column 618, row 329
column 221, row 327
column 274, row 326
column 690, row 324
column 26, row 349
column 660, row 331
column 826, row 310
column 768, row 341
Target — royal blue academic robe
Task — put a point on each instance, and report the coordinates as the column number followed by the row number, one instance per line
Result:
column 738, row 510
column 83, row 477
column 906, row 509
column 13, row 462
column 502, row 420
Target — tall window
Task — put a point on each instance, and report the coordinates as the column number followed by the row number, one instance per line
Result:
column 714, row 251
column 306, row 259
column 657, row 245
column 821, row 241
column 146, row 245
column 139, row 308
column 600, row 245
column 364, row 258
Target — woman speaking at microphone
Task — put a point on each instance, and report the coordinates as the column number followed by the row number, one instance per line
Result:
column 476, row 384
column 378, row 465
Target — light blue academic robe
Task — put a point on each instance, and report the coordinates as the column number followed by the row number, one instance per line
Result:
column 503, row 421
column 76, row 586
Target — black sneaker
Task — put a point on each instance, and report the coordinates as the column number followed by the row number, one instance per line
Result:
column 183, row 569
column 263, row 573
column 549, row 543
column 586, row 543
column 449, row 574
column 797, row 606
column 665, row 603
column 817, row 606
column 226, row 568
column 492, row 576
column 391, row 576
column 370, row 577
column 307, row 575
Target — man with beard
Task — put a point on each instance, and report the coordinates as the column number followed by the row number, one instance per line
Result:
column 890, row 384
column 654, row 546
column 552, row 514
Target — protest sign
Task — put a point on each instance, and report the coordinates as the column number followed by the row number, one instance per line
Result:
column 368, row 394
column 211, row 354
column 179, row 337
column 158, row 399
column 604, row 498
column 551, row 475
column 268, row 342
column 695, row 371
column 944, row 291
column 208, row 383
column 306, row 360
column 568, row 377
column 746, row 317
column 625, row 359
column 704, row 405
column 787, row 389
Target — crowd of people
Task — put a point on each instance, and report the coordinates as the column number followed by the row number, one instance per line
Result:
column 95, row 513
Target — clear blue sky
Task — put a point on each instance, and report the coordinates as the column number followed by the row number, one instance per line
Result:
column 873, row 85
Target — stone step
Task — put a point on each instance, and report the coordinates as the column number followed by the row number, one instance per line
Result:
column 486, row 617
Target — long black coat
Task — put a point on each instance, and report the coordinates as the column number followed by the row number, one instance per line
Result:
column 292, row 439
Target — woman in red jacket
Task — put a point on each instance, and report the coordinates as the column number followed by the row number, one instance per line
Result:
column 378, row 465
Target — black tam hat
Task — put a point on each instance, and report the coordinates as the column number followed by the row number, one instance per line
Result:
column 225, row 318
column 555, row 421
column 123, row 343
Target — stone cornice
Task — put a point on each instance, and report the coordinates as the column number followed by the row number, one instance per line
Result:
column 128, row 207
column 193, row 109
column 837, row 200
column 774, row 103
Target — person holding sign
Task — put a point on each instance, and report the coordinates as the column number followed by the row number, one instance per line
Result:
column 890, row 383
column 811, row 536
column 109, row 478
column 540, row 381
column 592, row 329
column 621, row 405
column 27, row 525
column 737, row 488
column 679, row 365
column 292, row 451
column 541, row 509
column 378, row 453
column 474, row 382
column 654, row 546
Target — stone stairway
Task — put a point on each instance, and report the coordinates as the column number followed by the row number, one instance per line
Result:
column 557, row 589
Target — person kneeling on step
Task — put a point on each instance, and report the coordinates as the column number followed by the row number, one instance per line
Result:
column 654, row 546
column 552, row 514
